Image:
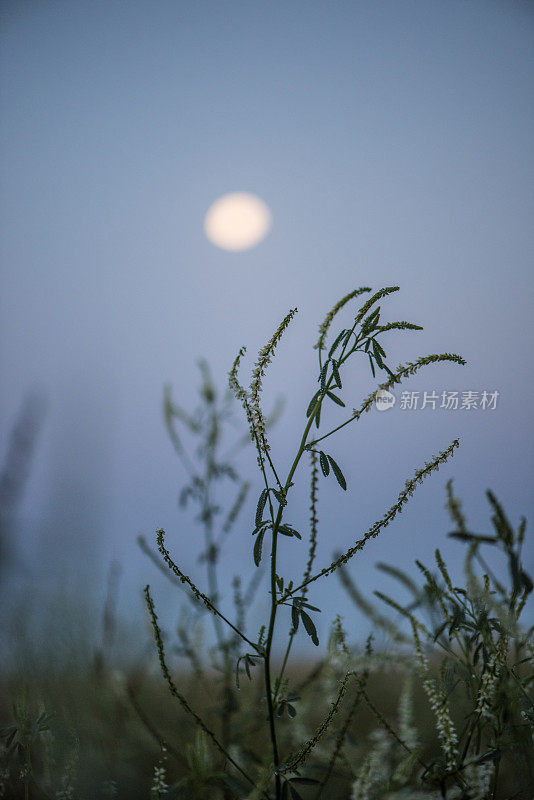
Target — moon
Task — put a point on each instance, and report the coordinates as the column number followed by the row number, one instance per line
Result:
column 237, row 221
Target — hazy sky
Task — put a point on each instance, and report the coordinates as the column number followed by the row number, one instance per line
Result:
column 392, row 142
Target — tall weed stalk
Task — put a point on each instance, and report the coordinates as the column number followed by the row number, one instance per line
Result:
column 279, row 775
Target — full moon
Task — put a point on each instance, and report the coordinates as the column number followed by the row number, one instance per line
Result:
column 237, row 221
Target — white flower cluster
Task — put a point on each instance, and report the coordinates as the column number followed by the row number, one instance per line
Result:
column 487, row 688
column 232, row 378
column 264, row 359
column 375, row 771
column 478, row 778
column 407, row 729
column 259, row 427
column 159, row 785
column 490, row 679
column 444, row 724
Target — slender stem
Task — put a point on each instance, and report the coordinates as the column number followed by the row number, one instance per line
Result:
column 178, row 695
column 274, row 600
column 273, row 468
column 284, row 663
column 311, row 558
column 149, row 726
column 213, row 587
column 274, row 603
column 267, row 663
column 197, row 593
column 334, row 430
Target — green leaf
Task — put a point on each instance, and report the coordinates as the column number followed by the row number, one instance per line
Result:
column 43, row 721
column 514, row 570
column 340, row 478
column 265, row 523
column 10, row 736
column 295, row 615
column 310, row 627
column 472, row 537
column 291, row 710
column 336, row 399
column 249, row 662
column 491, row 755
column 526, row 581
column 289, row 530
column 322, row 376
column 318, row 418
column 372, row 365
column 371, row 322
column 440, row 629
column 312, row 403
column 378, row 346
column 324, row 463
column 337, row 376
column 261, row 505
column 377, row 355
column 304, row 604
column 337, row 341
column 279, row 583
column 280, row 497
column 258, row 544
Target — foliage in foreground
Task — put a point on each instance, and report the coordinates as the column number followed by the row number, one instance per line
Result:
column 475, row 628
column 445, row 712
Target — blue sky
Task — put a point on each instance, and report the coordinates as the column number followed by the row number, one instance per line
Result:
column 393, row 144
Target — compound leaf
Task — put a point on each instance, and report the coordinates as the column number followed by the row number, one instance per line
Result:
column 309, row 625
column 261, row 505
column 340, row 478
column 258, row 545
column 336, row 399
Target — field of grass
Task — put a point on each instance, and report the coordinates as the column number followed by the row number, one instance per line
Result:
column 444, row 709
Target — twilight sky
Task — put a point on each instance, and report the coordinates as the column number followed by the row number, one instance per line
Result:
column 392, row 143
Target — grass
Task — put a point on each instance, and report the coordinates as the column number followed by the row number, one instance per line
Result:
column 445, row 711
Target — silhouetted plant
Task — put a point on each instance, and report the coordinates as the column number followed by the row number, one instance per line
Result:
column 365, row 336
column 475, row 664
column 443, row 710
